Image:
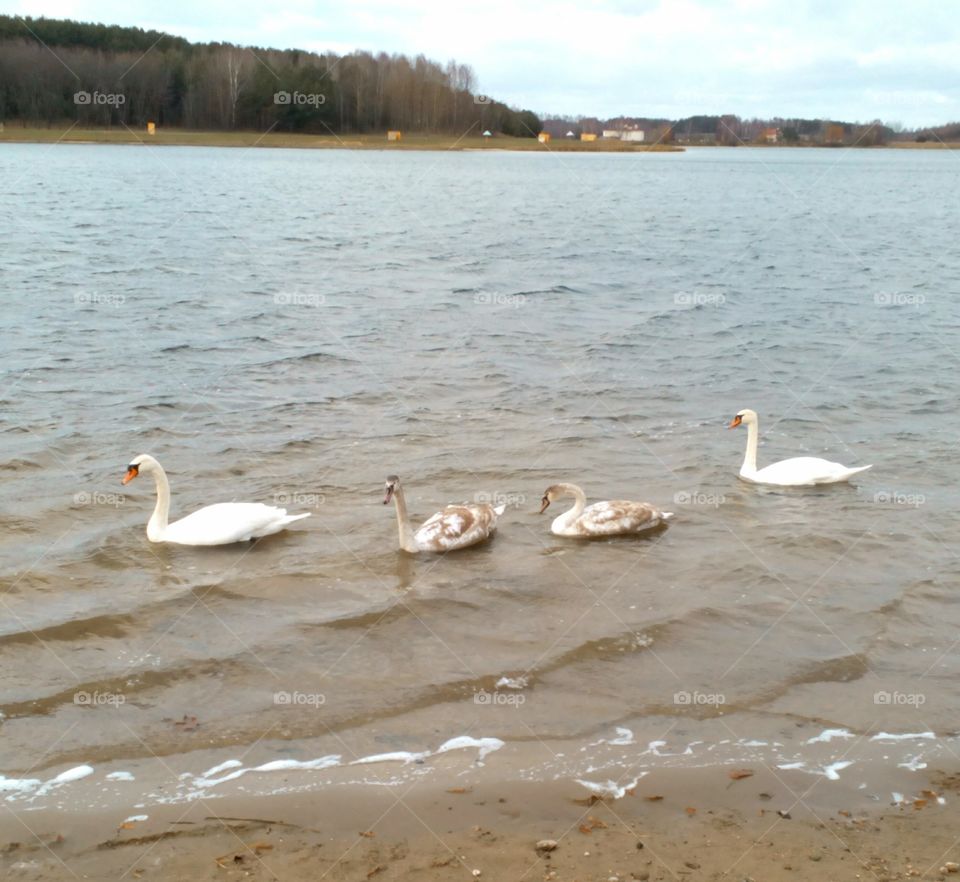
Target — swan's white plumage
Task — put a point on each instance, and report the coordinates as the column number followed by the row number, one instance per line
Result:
column 800, row 471
column 228, row 522
column 609, row 518
column 219, row 524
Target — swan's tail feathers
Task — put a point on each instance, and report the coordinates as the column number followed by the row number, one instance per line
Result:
column 859, row 469
column 666, row 515
column 499, row 509
column 289, row 519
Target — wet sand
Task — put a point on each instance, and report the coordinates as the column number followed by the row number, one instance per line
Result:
column 717, row 823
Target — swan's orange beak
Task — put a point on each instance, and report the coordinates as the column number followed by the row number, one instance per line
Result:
column 132, row 472
column 735, row 422
column 545, row 502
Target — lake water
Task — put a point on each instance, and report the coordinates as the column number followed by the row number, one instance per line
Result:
column 292, row 326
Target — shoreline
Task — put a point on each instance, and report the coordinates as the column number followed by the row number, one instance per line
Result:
column 500, row 143
column 710, row 823
column 186, row 138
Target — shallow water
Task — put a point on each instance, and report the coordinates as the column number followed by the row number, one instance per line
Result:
column 292, row 326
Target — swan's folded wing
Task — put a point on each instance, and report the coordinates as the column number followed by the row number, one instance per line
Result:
column 617, row 516
column 803, row 470
column 227, row 522
column 456, row 526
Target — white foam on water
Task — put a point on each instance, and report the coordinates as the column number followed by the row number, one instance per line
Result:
column 827, row 735
column 74, row 774
column 624, row 737
column 18, row 785
column 610, row 788
column 906, row 736
column 486, row 745
column 511, row 683
column 134, row 818
column 798, row 765
column 120, row 776
column 398, row 756
column 913, row 764
column 832, row 770
column 323, row 762
column 229, row 764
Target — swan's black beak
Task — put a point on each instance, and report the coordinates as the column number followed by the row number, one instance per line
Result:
column 735, row 422
column 389, row 494
column 132, row 472
column 543, row 504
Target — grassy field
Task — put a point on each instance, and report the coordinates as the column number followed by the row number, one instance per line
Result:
column 184, row 137
column 926, row 145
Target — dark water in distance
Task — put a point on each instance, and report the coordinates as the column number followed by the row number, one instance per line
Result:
column 292, row 326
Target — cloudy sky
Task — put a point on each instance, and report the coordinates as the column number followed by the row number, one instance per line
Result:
column 847, row 59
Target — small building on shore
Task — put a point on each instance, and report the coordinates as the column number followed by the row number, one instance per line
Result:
column 394, row 135
column 588, row 136
column 544, row 137
column 633, row 135
column 611, row 134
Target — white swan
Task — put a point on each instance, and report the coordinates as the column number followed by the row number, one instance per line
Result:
column 614, row 518
column 453, row 527
column 801, row 471
column 218, row 524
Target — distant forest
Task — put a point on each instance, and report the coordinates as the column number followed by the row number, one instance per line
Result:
column 54, row 70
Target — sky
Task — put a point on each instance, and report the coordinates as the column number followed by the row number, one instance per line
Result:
column 855, row 60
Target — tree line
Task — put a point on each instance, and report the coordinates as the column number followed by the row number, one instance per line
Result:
column 54, row 70
column 730, row 130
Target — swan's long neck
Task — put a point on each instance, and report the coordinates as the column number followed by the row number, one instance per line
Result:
column 157, row 525
column 568, row 517
column 750, row 457
column 407, row 540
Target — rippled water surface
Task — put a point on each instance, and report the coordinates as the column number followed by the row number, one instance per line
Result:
column 292, row 326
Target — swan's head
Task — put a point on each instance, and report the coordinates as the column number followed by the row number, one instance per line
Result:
column 391, row 487
column 747, row 417
column 549, row 495
column 142, row 463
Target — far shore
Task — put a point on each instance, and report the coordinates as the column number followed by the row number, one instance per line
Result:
column 65, row 134
column 189, row 138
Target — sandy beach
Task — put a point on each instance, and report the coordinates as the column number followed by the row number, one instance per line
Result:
column 708, row 824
